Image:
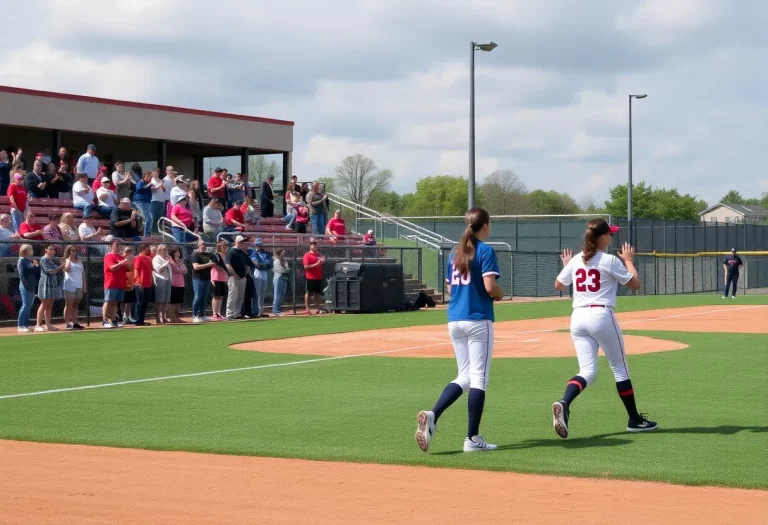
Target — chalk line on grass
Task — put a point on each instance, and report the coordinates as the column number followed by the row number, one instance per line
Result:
column 322, row 359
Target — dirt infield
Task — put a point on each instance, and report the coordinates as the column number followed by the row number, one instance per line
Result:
column 79, row 484
column 529, row 338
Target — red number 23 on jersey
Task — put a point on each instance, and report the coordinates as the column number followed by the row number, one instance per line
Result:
column 587, row 280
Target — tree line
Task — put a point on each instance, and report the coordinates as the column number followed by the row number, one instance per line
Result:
column 502, row 192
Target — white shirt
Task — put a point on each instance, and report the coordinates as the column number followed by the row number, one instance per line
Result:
column 84, row 230
column 157, row 195
column 82, row 200
column 169, row 185
column 73, row 279
column 596, row 282
column 212, row 217
column 89, row 164
column 165, row 273
column 106, row 197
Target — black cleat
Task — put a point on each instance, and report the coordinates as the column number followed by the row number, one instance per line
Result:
column 641, row 425
column 560, row 415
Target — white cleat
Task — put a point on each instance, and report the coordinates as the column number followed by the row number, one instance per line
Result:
column 425, row 429
column 477, row 444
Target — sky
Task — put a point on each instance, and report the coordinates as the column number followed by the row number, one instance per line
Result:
column 390, row 79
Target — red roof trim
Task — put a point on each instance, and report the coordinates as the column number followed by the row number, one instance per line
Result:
column 141, row 105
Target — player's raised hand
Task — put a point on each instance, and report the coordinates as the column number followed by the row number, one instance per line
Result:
column 566, row 256
column 627, row 253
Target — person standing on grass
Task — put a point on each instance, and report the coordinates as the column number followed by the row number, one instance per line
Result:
column 313, row 268
column 74, row 287
column 471, row 274
column 238, row 266
column 162, row 280
column 201, row 281
column 219, row 279
column 129, row 299
column 262, row 261
column 280, row 270
column 731, row 266
column 115, row 273
column 142, row 270
column 178, row 271
column 28, row 270
column 49, row 289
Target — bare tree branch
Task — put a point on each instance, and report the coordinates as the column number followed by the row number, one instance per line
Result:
column 358, row 177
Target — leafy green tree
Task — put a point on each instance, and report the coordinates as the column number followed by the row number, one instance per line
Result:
column 440, row 195
column 386, row 202
column 654, row 203
column 259, row 168
column 328, row 182
column 732, row 197
column 552, row 203
column 506, row 194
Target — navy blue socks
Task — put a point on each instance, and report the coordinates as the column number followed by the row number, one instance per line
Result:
column 475, row 406
column 450, row 394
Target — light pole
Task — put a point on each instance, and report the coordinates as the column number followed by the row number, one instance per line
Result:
column 629, row 185
column 489, row 46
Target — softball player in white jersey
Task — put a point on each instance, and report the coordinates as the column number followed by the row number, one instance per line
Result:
column 596, row 276
column 471, row 274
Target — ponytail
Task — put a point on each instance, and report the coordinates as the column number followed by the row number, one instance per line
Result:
column 464, row 252
column 596, row 228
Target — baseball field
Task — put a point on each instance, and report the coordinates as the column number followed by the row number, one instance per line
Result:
column 311, row 420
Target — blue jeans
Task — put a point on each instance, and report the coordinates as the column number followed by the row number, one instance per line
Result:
column 260, row 290
column 87, row 209
column 27, row 298
column 181, row 235
column 202, row 288
column 280, row 285
column 157, row 211
column 318, row 223
column 104, row 211
column 16, row 218
column 290, row 219
column 146, row 211
column 142, row 301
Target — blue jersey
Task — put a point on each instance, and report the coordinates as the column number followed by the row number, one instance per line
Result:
column 469, row 299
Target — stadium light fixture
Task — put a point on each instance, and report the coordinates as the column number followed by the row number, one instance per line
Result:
column 629, row 183
column 488, row 47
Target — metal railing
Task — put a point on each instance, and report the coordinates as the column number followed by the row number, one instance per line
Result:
column 165, row 221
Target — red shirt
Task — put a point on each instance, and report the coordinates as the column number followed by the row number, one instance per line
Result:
column 142, row 269
column 19, row 194
column 29, row 228
column 315, row 273
column 216, row 187
column 337, row 226
column 368, row 238
column 233, row 213
column 183, row 214
column 114, row 280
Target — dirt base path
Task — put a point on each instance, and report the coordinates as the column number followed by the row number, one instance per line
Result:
column 528, row 338
column 56, row 484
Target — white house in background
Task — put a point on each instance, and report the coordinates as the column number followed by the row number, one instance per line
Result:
column 734, row 213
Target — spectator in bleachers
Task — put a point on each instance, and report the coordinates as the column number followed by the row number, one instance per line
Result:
column 236, row 188
column 30, row 230
column 194, row 203
column 201, row 281
column 183, row 220
column 88, row 163
column 67, row 227
column 65, row 159
column 142, row 198
column 52, row 232
column 281, row 270
column 262, row 262
column 7, row 235
column 74, row 287
column 106, row 197
column 129, row 298
column 317, row 208
column 178, row 271
column 5, row 172
column 267, row 197
column 28, row 270
column 122, row 181
column 219, row 279
column 157, row 203
column 250, row 215
column 100, row 179
column 304, row 191
column 213, row 220
column 17, row 158
column 136, row 173
column 17, row 195
column 369, row 239
column 238, row 266
column 169, row 182
column 37, row 188
column 336, row 227
column 302, row 215
column 143, row 283
column 124, row 222
column 234, row 217
column 59, row 183
column 217, row 187
column 82, row 195
column 179, row 190
column 115, row 273
column 49, row 288
column 161, row 276
column 313, row 268
column 88, row 233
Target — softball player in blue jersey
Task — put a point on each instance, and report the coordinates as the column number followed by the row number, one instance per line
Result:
column 472, row 272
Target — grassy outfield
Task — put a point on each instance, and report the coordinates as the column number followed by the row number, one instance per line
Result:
column 708, row 399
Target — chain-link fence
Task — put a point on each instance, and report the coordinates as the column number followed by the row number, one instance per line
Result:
column 92, row 257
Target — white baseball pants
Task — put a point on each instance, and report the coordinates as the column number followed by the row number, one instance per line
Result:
column 473, row 346
column 597, row 327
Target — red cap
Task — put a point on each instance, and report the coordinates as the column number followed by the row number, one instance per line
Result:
column 38, row 155
column 104, row 168
column 613, row 229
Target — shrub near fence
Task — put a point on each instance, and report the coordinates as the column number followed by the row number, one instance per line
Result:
column 92, row 255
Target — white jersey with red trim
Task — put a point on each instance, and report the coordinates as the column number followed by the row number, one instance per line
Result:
column 596, row 282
